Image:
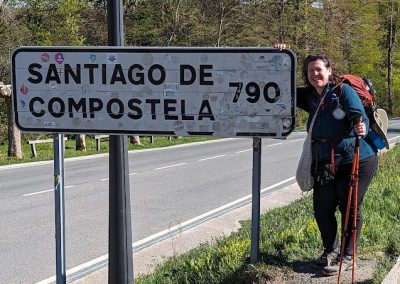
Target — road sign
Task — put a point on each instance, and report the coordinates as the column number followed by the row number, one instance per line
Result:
column 222, row 92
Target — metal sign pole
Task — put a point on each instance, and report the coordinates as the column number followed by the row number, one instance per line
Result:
column 120, row 263
column 58, row 142
column 256, row 191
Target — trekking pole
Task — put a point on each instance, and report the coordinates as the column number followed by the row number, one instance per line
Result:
column 353, row 188
column 355, row 204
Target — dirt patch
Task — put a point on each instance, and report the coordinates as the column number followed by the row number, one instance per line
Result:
column 305, row 273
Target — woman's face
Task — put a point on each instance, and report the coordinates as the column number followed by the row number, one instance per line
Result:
column 318, row 74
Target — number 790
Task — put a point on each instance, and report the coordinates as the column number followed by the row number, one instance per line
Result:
column 253, row 91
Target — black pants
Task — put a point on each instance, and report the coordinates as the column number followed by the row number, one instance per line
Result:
column 328, row 197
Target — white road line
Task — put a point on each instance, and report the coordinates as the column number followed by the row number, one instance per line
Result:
column 131, row 152
column 131, row 174
column 24, row 165
column 280, row 143
column 45, row 191
column 210, row 158
column 289, row 141
column 170, row 166
column 238, row 152
column 394, row 138
column 75, row 269
column 38, row 192
column 159, row 236
column 104, row 179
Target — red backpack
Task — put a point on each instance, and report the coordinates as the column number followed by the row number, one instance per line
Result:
column 364, row 89
column 378, row 117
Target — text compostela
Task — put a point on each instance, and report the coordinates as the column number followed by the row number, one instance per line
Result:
column 172, row 109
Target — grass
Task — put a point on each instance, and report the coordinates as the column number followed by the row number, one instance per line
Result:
column 289, row 236
column 45, row 151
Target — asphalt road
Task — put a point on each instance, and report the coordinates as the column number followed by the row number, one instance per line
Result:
column 168, row 186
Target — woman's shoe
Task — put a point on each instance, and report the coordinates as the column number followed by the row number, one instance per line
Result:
column 333, row 268
column 325, row 259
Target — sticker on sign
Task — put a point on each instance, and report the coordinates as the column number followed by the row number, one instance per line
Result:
column 221, row 92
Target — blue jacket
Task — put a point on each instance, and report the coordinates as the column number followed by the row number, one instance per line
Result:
column 330, row 132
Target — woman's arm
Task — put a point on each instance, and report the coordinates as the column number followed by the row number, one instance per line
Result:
column 303, row 98
column 354, row 109
column 302, row 93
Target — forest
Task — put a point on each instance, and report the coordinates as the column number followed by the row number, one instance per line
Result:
column 361, row 36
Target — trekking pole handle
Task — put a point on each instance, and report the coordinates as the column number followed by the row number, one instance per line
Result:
column 357, row 121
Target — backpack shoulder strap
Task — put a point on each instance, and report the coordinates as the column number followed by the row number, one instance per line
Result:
column 337, row 89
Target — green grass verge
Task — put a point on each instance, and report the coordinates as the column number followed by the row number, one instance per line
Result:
column 289, row 236
column 45, row 151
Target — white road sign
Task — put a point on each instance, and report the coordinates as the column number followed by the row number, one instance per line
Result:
column 222, row 92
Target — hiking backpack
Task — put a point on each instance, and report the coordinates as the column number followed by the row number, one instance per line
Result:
column 366, row 93
column 364, row 90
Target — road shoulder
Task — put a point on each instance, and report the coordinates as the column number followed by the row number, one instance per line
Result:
column 145, row 260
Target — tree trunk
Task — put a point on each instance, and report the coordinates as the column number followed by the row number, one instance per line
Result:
column 80, row 142
column 135, row 140
column 221, row 24
column 14, row 135
column 390, row 82
column 391, row 43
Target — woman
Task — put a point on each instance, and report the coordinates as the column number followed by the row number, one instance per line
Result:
column 340, row 119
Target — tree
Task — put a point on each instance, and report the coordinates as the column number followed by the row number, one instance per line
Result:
column 12, row 36
column 392, row 23
column 217, row 22
column 21, row 23
column 143, row 24
column 14, row 135
column 69, row 34
column 361, row 36
column 93, row 24
column 52, row 23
